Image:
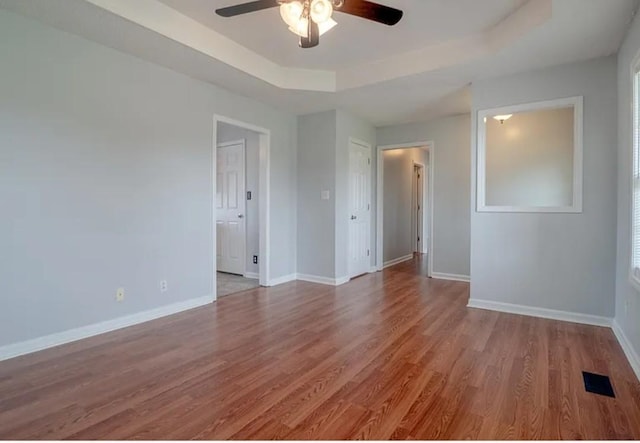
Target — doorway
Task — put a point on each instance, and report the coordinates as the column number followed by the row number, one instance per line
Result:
column 405, row 204
column 241, row 194
column 359, row 208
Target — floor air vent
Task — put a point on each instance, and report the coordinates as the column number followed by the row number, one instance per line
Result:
column 598, row 384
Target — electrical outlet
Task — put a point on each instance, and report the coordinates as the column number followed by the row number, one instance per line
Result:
column 163, row 286
column 120, row 294
column 255, row 259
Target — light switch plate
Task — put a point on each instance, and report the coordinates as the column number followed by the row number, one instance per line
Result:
column 325, row 195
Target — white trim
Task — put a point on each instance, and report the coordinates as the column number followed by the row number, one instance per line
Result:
column 432, row 205
column 311, row 279
column 281, row 280
column 634, row 69
column 264, row 192
column 430, row 146
column 71, row 335
column 396, row 261
column 253, row 275
column 360, row 142
column 573, row 317
column 373, row 269
column 577, row 103
column 627, row 348
column 633, row 280
column 323, row 280
column 452, row 277
column 379, row 211
column 233, row 142
column 231, row 121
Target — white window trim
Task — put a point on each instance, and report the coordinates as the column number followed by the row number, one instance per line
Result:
column 634, row 272
column 576, row 204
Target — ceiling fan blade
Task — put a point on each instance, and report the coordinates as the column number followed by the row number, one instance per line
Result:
column 244, row 8
column 371, row 11
column 313, row 38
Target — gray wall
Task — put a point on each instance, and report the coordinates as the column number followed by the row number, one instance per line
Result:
column 398, row 201
column 230, row 133
column 555, row 261
column 627, row 297
column 105, row 181
column 451, row 159
column 316, row 172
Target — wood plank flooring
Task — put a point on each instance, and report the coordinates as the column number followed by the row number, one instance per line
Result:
column 392, row 355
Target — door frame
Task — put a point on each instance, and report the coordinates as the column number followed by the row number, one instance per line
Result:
column 264, row 193
column 242, row 142
column 414, row 198
column 364, row 144
column 430, row 146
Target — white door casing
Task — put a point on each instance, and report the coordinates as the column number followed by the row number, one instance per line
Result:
column 359, row 208
column 230, row 207
column 426, row 212
column 429, row 189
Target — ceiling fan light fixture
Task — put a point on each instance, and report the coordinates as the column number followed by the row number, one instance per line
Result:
column 310, row 19
column 320, row 11
column 301, row 27
column 327, row 25
column 291, row 12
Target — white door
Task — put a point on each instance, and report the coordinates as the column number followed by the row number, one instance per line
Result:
column 360, row 209
column 230, row 208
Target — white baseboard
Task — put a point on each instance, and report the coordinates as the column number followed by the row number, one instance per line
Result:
column 309, row 278
column 60, row 338
column 281, row 280
column 373, row 270
column 572, row 317
column 452, row 277
column 395, row 261
column 252, row 275
column 627, row 347
column 323, row 280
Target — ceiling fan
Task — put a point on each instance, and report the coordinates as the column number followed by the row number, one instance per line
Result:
column 309, row 19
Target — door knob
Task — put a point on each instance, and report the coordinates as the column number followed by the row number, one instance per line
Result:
column 240, row 216
column 353, row 217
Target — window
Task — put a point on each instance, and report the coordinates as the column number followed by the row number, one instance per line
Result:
column 635, row 210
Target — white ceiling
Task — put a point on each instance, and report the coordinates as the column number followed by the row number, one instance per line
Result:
column 387, row 81
column 354, row 40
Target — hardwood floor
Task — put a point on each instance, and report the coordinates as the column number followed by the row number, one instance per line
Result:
column 392, row 355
